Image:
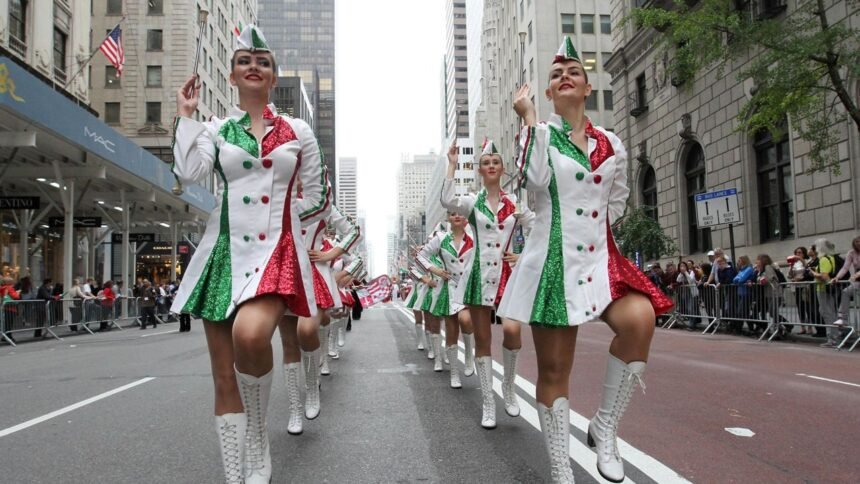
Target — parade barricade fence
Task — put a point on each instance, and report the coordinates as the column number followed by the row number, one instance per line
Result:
column 27, row 315
column 74, row 313
column 770, row 309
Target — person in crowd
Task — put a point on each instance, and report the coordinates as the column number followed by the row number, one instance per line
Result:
column 571, row 271
column 494, row 218
column 10, row 310
column 656, row 276
column 108, row 299
column 744, row 294
column 850, row 290
column 811, row 268
column 670, row 276
column 44, row 293
column 707, row 293
column 768, row 296
column 148, row 301
column 798, row 274
column 251, row 266
column 688, row 293
column 77, row 295
column 712, row 256
column 823, row 273
column 184, row 318
column 722, row 275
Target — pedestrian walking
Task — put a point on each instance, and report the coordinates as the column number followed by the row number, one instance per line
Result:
column 571, row 271
column 251, row 266
column 494, row 217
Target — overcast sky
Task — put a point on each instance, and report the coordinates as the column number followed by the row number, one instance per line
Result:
column 388, row 88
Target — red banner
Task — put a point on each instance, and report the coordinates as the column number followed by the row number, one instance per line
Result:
column 376, row 290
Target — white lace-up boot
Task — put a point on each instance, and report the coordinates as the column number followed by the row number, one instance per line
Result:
column 484, row 367
column 324, row 348
column 621, row 379
column 428, row 337
column 231, row 436
column 554, row 424
column 469, row 367
column 442, row 346
column 419, row 336
column 310, row 361
column 333, row 352
column 341, row 333
column 437, row 351
column 455, row 371
column 255, row 397
column 293, row 378
column 512, row 405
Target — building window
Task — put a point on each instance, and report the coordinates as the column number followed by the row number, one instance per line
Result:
column 587, row 24
column 522, row 9
column 154, row 40
column 568, row 23
column 649, row 192
column 153, row 113
column 112, row 80
column 111, row 115
column 589, row 60
column 60, row 42
column 531, row 69
column 694, row 173
column 775, row 187
column 591, row 101
column 530, row 33
column 18, row 25
column 605, row 24
column 607, row 100
column 641, row 96
column 156, row 7
column 114, row 7
column 153, row 76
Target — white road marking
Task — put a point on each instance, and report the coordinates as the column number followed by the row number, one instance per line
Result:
column 64, row 410
column 156, row 334
column 828, row 379
column 740, row 431
column 584, row 455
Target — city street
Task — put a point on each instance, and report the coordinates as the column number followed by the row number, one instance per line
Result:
column 136, row 406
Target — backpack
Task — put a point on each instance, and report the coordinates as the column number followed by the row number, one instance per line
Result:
column 837, row 263
column 780, row 276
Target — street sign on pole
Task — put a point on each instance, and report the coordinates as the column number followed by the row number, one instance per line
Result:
column 717, row 208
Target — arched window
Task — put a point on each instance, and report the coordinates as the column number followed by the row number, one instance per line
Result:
column 649, row 192
column 694, row 173
column 775, row 187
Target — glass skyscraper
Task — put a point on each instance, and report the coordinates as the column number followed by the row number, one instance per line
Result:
column 301, row 33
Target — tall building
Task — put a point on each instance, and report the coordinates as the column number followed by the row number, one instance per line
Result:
column 505, row 64
column 301, row 34
column 456, row 74
column 291, row 98
column 682, row 141
column 392, row 253
column 347, row 186
column 160, row 42
column 413, row 178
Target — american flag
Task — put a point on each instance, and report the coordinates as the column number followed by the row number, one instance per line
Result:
column 112, row 48
column 377, row 290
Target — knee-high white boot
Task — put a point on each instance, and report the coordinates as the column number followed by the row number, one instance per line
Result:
column 437, row 352
column 455, row 371
column 469, row 367
column 341, row 332
column 324, row 348
column 512, row 405
column 310, row 361
column 554, row 424
column 419, row 336
column 293, row 377
column 621, row 379
column 332, row 340
column 442, row 346
column 231, row 437
column 255, row 397
column 484, row 367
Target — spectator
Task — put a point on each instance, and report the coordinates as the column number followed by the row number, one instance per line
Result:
column 26, row 290
column 707, row 293
column 10, row 311
column 852, row 266
column 108, row 299
column 44, row 293
column 148, row 297
column 655, row 275
column 826, row 300
column 78, row 297
column 798, row 274
column 770, row 291
column 712, row 256
column 688, row 293
column 744, row 277
column 669, row 275
column 184, row 318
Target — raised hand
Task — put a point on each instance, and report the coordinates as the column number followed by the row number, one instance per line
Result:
column 187, row 98
column 453, row 153
column 523, row 105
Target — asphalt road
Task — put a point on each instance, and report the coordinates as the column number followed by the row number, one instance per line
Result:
column 120, row 407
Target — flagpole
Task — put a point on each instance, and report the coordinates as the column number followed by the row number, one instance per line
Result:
column 69, row 82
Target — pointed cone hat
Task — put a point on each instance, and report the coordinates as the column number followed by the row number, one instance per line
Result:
column 567, row 51
column 252, row 39
column 489, row 148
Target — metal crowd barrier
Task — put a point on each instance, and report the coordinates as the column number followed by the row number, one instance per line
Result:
column 28, row 315
column 772, row 309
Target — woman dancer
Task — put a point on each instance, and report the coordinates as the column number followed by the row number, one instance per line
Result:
column 571, row 271
column 251, row 265
column 492, row 215
column 452, row 249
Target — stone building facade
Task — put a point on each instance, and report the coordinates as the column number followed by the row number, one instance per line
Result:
column 682, row 140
